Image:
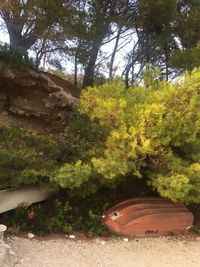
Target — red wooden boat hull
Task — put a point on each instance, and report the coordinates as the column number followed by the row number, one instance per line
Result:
column 148, row 216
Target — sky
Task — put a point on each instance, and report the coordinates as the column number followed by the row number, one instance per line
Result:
column 4, row 37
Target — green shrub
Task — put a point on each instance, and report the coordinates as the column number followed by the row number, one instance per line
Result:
column 91, row 224
column 27, row 158
column 61, row 215
column 150, row 132
column 15, row 57
column 72, row 175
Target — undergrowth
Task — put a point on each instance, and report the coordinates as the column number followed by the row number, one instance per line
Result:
column 57, row 216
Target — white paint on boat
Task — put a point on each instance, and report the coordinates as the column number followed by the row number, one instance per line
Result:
column 11, row 198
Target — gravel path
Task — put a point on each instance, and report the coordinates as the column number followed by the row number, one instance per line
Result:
column 144, row 252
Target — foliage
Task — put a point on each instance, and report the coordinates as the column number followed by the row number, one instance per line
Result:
column 185, row 56
column 72, row 175
column 59, row 216
column 45, row 220
column 82, row 135
column 26, row 158
column 57, row 223
column 149, row 132
column 15, row 57
column 76, row 174
column 157, row 32
column 92, row 225
column 188, row 59
column 67, row 76
column 188, row 23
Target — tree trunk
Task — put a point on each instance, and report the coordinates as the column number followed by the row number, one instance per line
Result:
column 132, row 75
column 76, row 68
column 44, row 61
column 114, row 52
column 13, row 31
column 14, row 36
column 88, row 78
column 38, row 60
column 17, row 40
column 166, row 50
column 128, row 67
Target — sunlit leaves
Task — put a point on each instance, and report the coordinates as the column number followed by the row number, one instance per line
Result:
column 72, row 175
column 150, row 127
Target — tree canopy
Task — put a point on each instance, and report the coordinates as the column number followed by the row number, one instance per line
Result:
column 78, row 30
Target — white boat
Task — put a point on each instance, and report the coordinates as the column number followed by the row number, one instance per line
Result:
column 11, row 198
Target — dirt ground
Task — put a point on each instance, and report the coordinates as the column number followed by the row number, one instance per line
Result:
column 143, row 252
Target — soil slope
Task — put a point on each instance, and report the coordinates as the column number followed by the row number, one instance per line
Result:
column 35, row 100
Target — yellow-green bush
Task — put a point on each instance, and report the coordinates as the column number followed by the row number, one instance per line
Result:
column 150, row 132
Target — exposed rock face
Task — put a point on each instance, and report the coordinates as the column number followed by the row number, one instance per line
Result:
column 35, row 100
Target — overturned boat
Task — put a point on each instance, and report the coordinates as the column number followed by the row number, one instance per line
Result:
column 11, row 198
column 148, row 216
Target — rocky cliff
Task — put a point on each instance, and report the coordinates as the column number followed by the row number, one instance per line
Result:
column 35, row 100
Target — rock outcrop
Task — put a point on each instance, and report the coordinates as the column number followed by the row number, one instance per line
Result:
column 35, row 100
